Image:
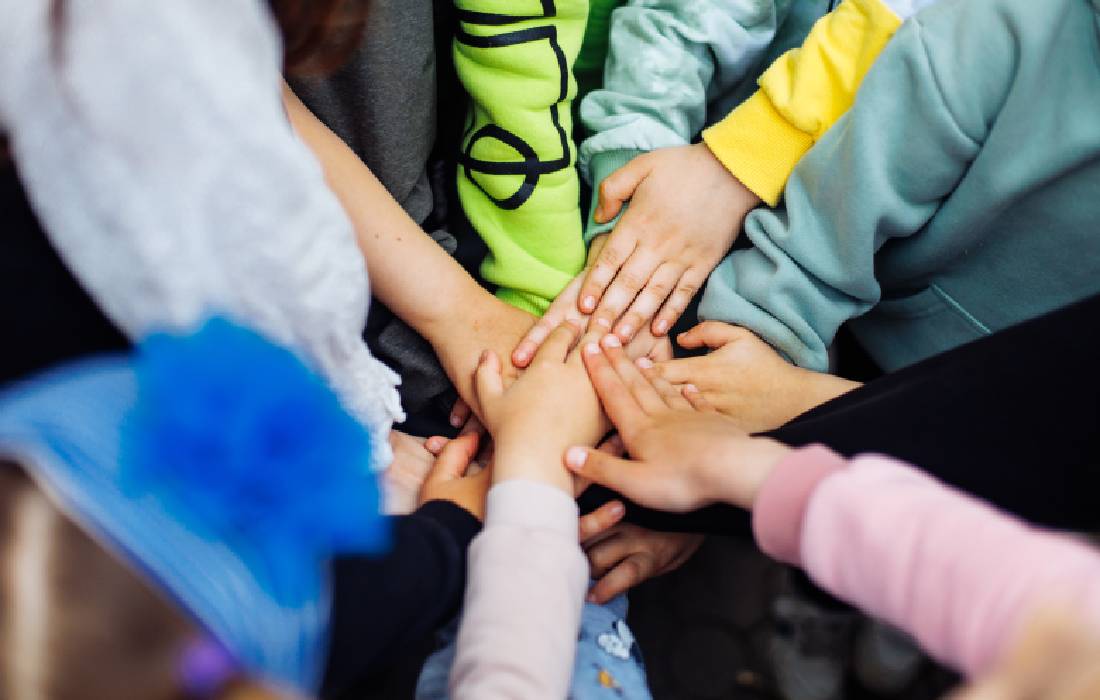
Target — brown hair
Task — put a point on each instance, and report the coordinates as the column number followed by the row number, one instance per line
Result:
column 75, row 623
column 319, row 36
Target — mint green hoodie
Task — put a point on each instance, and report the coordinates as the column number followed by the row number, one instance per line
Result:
column 675, row 67
column 959, row 196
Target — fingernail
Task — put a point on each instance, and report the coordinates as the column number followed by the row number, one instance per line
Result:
column 592, row 349
column 435, row 443
column 617, row 509
column 591, row 598
column 662, row 326
column 626, row 330
column 456, row 421
column 575, row 457
column 522, row 355
column 606, row 323
column 644, row 362
column 692, row 388
column 612, row 341
column 589, row 303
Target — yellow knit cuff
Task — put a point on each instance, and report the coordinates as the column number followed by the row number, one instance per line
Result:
column 758, row 146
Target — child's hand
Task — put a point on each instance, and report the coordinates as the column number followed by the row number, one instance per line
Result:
column 686, row 210
column 486, row 322
column 551, row 406
column 686, row 455
column 448, row 480
column 748, row 381
column 625, row 555
column 564, row 309
column 401, row 482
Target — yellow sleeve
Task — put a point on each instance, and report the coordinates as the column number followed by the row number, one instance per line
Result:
column 801, row 95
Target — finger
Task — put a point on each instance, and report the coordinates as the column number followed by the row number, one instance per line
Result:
column 619, row 247
column 620, row 475
column 613, row 445
column 689, row 370
column 678, row 301
column 435, row 444
column 453, row 460
column 562, row 308
column 649, row 300
column 599, row 521
column 630, row 572
column 671, row 395
column 616, row 397
column 488, row 382
column 662, row 351
column 629, row 281
column 643, row 391
column 606, row 553
column 460, row 413
column 618, row 187
column 558, row 344
column 473, row 425
column 711, row 334
column 697, row 400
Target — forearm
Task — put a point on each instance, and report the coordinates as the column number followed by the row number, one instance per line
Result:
column 839, row 520
column 524, row 599
column 388, row 238
column 804, row 92
column 382, row 604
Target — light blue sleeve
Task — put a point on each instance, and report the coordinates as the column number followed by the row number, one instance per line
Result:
column 880, row 173
column 667, row 59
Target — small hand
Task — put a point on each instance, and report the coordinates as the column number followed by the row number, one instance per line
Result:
column 747, row 380
column 549, row 407
column 489, row 323
column 563, row 309
column 686, row 210
column 686, row 455
column 626, row 555
column 403, row 478
column 448, row 479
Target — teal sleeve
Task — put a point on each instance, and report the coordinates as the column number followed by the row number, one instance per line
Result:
column 517, row 179
column 667, row 58
column 881, row 173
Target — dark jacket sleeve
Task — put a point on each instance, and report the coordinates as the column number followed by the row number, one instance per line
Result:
column 384, row 605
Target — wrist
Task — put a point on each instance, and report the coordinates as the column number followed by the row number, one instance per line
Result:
column 531, row 462
column 748, row 463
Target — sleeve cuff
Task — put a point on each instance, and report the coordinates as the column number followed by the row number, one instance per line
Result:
column 531, row 505
column 458, row 521
column 758, row 146
column 600, row 167
column 780, row 506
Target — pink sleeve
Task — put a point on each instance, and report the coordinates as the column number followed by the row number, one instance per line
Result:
column 956, row 574
column 527, row 580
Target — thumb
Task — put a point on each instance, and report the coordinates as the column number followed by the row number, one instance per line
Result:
column 711, row 334
column 618, row 187
column 454, row 459
column 600, row 467
column 488, row 381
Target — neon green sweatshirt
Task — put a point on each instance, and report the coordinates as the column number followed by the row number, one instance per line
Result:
column 517, row 181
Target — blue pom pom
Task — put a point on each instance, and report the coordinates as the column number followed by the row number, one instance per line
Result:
column 239, row 436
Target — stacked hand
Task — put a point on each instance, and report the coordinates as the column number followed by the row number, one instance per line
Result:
column 745, row 379
column 685, row 454
column 686, row 209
